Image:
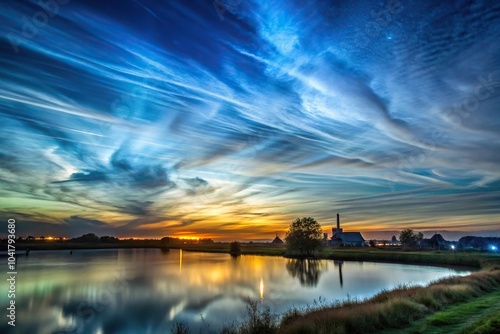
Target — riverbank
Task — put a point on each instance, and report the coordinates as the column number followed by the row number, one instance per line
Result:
column 480, row 315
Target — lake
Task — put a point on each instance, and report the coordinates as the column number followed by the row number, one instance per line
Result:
column 147, row 290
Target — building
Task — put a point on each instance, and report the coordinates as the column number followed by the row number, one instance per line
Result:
column 326, row 242
column 341, row 238
column 277, row 240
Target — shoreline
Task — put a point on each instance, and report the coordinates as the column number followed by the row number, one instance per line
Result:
column 398, row 255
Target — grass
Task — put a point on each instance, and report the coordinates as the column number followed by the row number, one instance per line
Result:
column 489, row 324
column 401, row 255
column 475, row 316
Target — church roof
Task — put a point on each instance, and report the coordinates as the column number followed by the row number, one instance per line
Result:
column 277, row 240
column 350, row 237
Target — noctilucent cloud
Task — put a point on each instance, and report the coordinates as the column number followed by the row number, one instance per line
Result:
column 228, row 119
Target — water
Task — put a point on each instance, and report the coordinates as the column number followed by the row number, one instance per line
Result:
column 147, row 290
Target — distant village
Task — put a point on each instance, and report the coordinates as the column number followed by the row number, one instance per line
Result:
column 340, row 238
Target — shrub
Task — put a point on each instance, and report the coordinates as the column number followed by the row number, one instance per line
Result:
column 180, row 328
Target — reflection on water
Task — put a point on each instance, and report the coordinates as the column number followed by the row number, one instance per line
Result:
column 147, row 290
column 261, row 289
column 340, row 264
column 306, row 270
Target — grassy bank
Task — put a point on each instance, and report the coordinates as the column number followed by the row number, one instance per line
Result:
column 480, row 315
column 246, row 248
column 406, row 256
column 383, row 254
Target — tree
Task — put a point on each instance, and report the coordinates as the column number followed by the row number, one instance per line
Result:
column 372, row 243
column 108, row 239
column 419, row 237
column 89, row 237
column 235, row 248
column 409, row 238
column 304, row 236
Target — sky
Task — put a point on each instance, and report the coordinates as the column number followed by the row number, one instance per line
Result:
column 228, row 119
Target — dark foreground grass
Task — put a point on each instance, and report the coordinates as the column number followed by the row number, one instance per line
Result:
column 486, row 325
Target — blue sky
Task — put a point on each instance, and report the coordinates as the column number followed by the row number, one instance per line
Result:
column 188, row 119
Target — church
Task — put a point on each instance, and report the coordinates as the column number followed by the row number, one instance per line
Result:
column 341, row 238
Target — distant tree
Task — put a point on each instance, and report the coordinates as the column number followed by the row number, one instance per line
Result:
column 235, row 248
column 394, row 240
column 372, row 243
column 166, row 240
column 109, row 239
column 419, row 237
column 304, row 236
column 89, row 237
column 206, row 241
column 409, row 238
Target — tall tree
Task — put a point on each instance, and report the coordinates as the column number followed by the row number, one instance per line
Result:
column 409, row 238
column 304, row 236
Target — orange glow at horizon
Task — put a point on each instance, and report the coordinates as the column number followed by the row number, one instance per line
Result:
column 236, row 227
column 186, row 237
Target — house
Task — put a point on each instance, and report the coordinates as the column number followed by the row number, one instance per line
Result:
column 438, row 242
column 341, row 238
